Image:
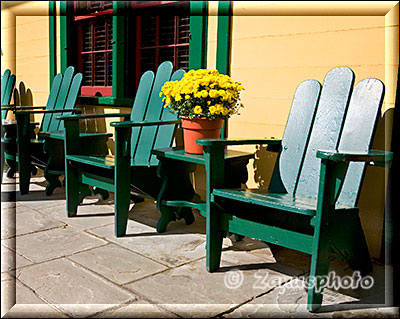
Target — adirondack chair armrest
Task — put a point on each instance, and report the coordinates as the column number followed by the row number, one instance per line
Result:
column 91, row 116
column 372, row 157
column 21, row 108
column 144, row 123
column 216, row 142
column 49, row 111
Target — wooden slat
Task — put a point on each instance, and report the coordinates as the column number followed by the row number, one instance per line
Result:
column 327, row 125
column 287, row 202
column 294, row 240
column 62, row 95
column 140, row 106
column 297, row 132
column 165, row 133
column 72, row 96
column 357, row 133
column 154, row 109
column 51, row 101
column 4, row 80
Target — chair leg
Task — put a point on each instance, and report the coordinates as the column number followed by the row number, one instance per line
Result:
column 104, row 194
column 12, row 168
column 53, row 183
column 214, row 239
column 72, row 187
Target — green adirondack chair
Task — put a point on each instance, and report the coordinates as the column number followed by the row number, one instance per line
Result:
column 46, row 149
column 133, row 168
column 7, row 88
column 310, row 205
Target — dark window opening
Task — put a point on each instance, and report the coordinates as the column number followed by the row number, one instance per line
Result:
column 93, row 22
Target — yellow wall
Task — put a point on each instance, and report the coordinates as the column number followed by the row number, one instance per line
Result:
column 25, row 48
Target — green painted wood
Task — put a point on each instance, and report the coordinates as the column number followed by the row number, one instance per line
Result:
column 271, row 234
column 327, row 125
column 140, row 106
column 372, row 157
column 180, row 155
column 52, row 40
column 299, row 205
column 72, row 96
column 51, row 102
column 224, row 33
column 164, row 136
column 7, row 88
column 357, row 133
column 154, row 109
column 119, row 49
column 198, row 35
column 297, row 131
column 64, row 36
column 96, row 180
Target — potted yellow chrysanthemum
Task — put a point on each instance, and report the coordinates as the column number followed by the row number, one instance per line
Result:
column 202, row 99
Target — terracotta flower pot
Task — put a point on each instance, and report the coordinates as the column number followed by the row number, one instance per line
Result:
column 194, row 129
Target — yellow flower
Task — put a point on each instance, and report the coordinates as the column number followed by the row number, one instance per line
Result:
column 212, row 109
column 204, row 94
column 225, row 111
column 187, row 97
column 178, row 98
column 213, row 93
column 198, row 109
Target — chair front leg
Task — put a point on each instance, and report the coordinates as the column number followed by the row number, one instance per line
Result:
column 122, row 178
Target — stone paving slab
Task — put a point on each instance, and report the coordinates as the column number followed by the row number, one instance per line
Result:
column 89, row 215
column 55, row 243
column 10, row 260
column 63, row 282
column 216, row 292
column 137, row 309
column 171, row 248
column 117, row 264
column 30, row 221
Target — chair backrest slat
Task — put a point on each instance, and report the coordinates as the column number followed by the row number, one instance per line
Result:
column 357, row 133
column 7, row 87
column 140, row 106
column 51, row 101
column 153, row 113
column 325, row 132
column 62, row 96
column 71, row 98
column 297, row 131
column 165, row 133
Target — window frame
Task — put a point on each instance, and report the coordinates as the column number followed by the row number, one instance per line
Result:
column 120, row 79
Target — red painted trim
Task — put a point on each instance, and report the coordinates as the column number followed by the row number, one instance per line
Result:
column 93, row 15
column 93, row 90
column 151, row 4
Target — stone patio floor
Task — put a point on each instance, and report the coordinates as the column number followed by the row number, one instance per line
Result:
column 53, row 266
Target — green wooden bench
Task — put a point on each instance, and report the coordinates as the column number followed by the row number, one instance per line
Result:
column 310, row 205
column 46, row 150
column 7, row 88
column 133, row 168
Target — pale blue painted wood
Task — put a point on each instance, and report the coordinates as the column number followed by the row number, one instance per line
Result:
column 165, row 133
column 357, row 133
column 7, row 88
column 326, row 129
column 140, row 106
column 295, row 137
column 153, row 113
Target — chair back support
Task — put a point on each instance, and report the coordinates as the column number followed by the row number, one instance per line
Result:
column 7, row 87
column 63, row 94
column 148, row 106
column 334, row 118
